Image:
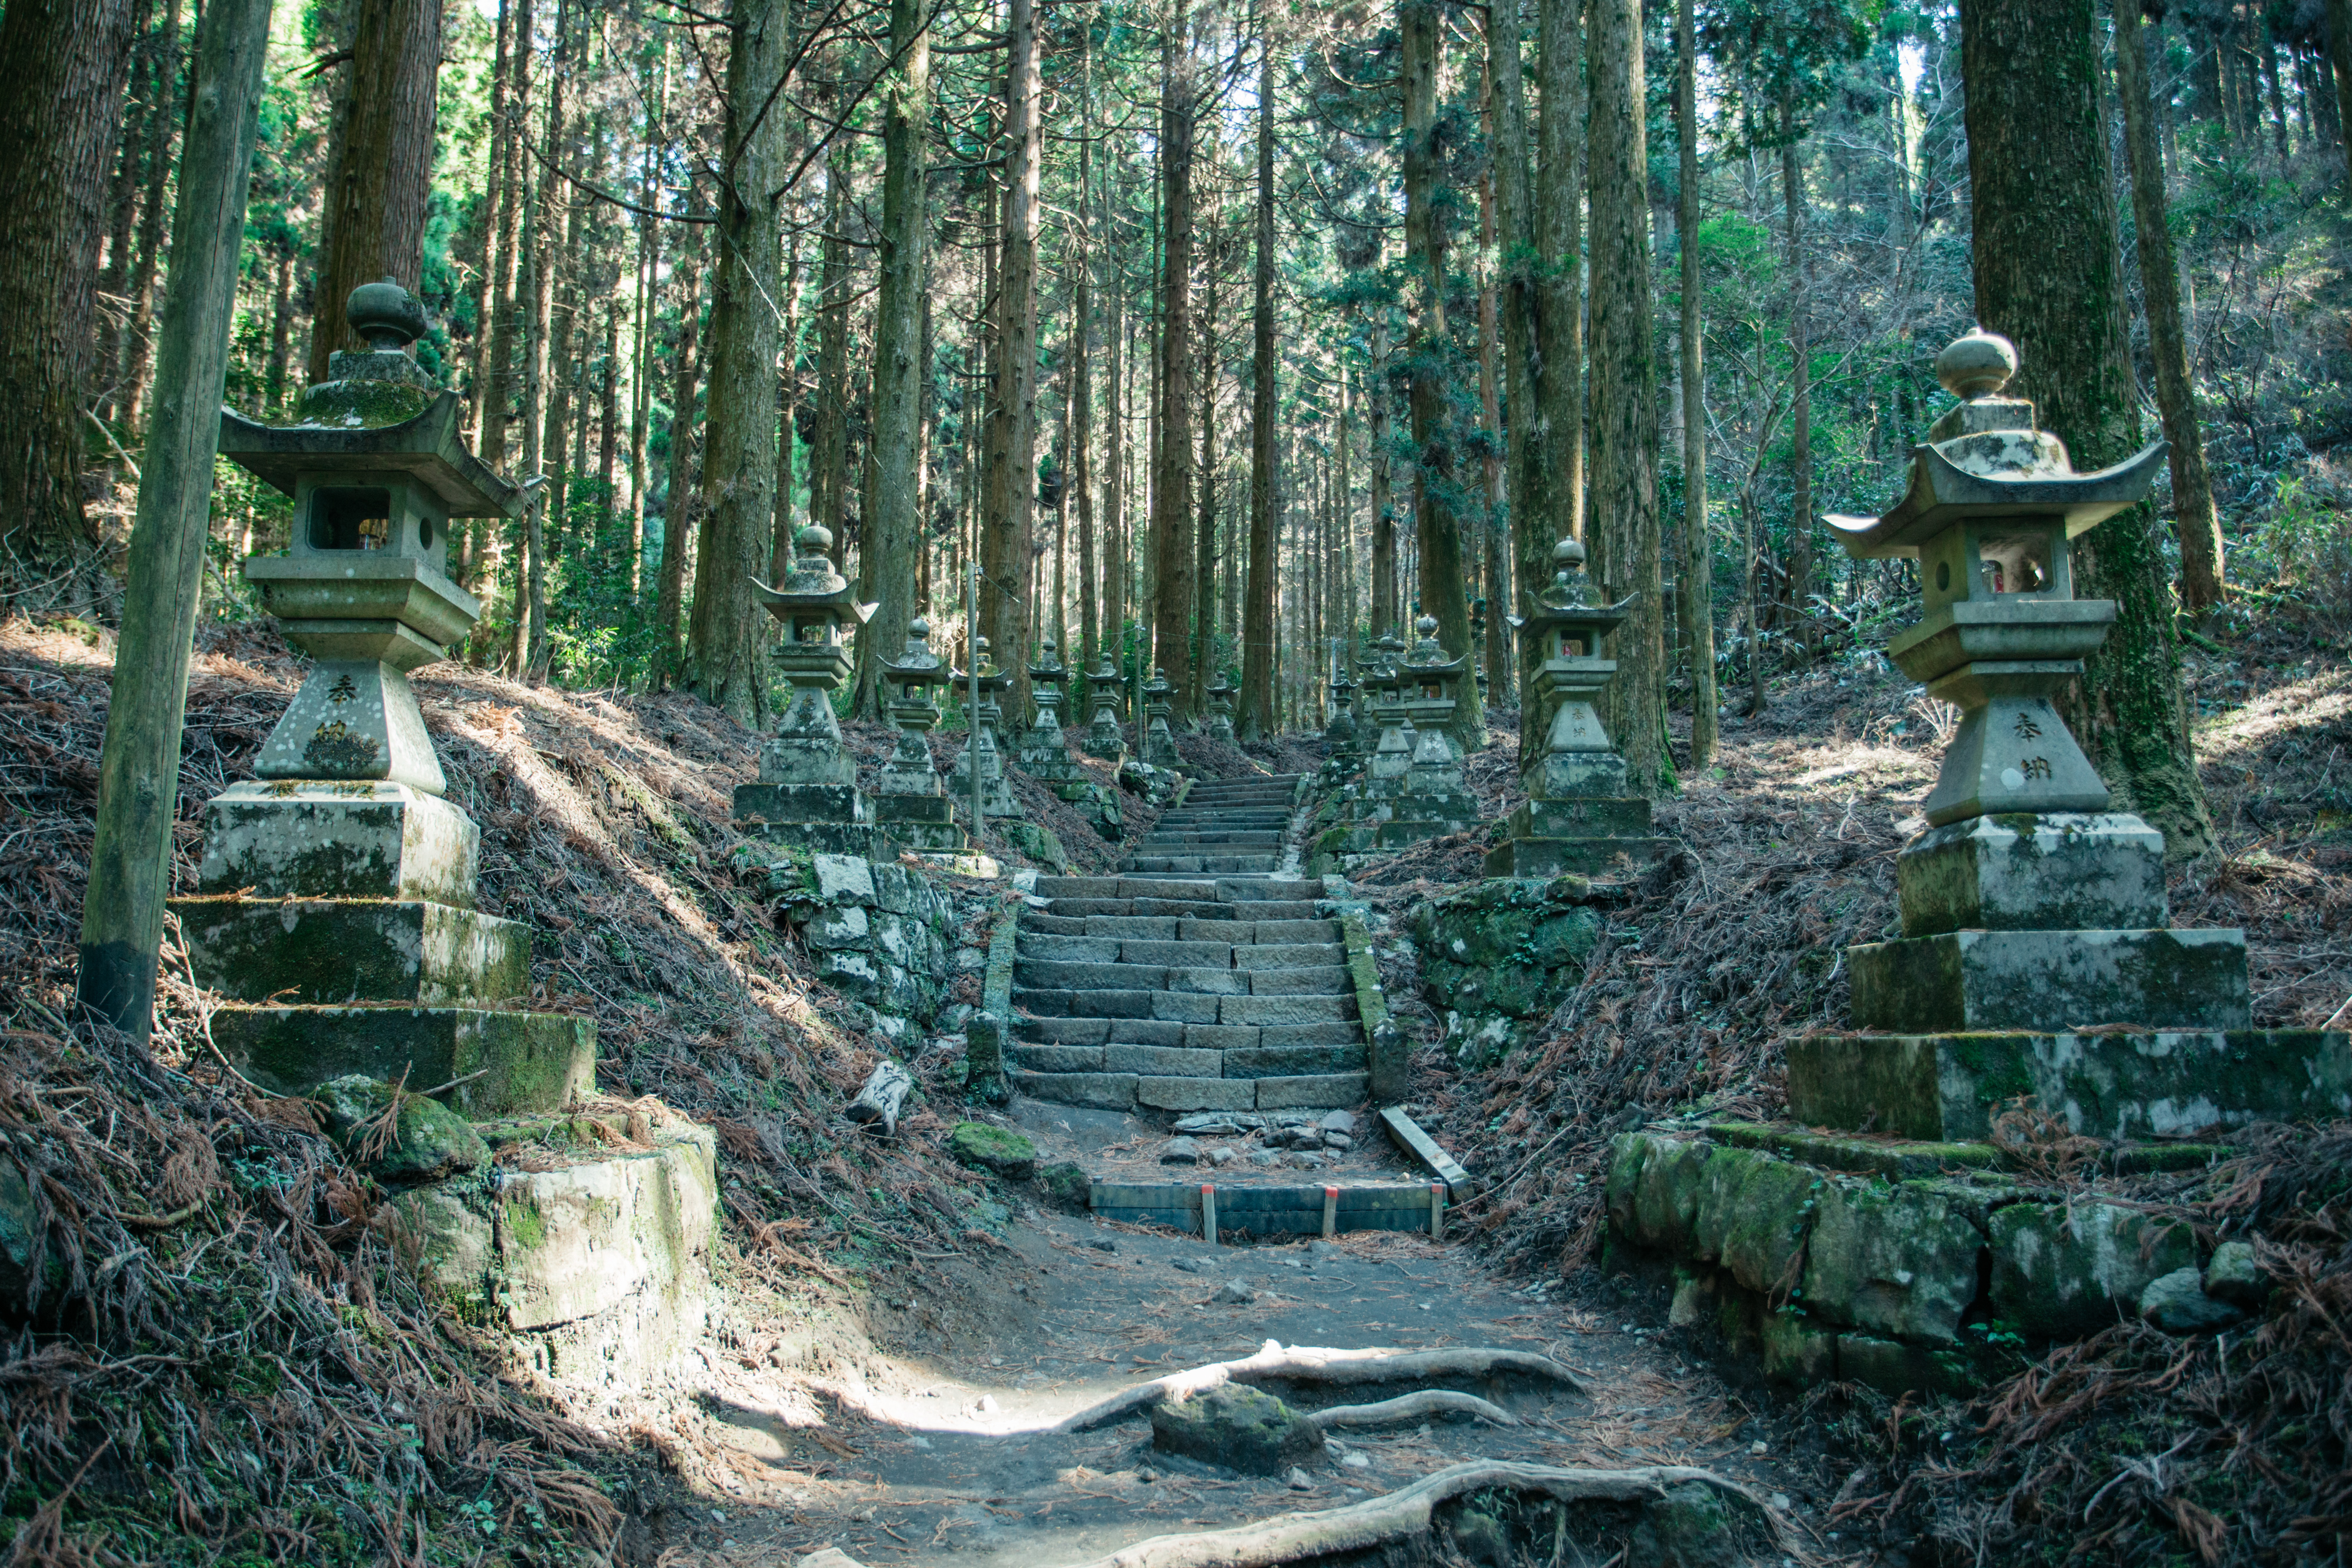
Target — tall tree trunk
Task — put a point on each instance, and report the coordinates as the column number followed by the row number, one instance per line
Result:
column 487, row 288
column 2192, row 488
column 1081, row 460
column 1204, row 538
column 1386, row 611
column 281, row 333
column 829, row 463
column 2048, row 277
column 1801, row 391
column 506, row 321
column 641, row 356
column 680, row 509
column 893, row 530
column 1257, row 587
column 143, row 98
column 1008, row 628
column 1697, row 576
column 725, row 636
column 1556, row 427
column 546, row 242
column 1495, row 658
column 384, row 169
column 2339, row 58
column 139, row 767
column 64, row 61
column 1171, row 490
column 788, row 409
column 1533, row 486
column 1625, row 391
column 163, row 124
column 1437, row 531
column 1114, row 477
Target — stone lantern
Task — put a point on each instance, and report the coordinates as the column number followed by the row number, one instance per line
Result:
column 1221, row 713
column 2029, row 909
column 1578, row 817
column 807, row 794
column 1044, row 747
column 1383, row 697
column 336, row 908
column 910, row 804
column 1478, row 648
column 1158, row 740
column 1339, row 731
column 1430, row 799
column 1106, row 735
column 981, row 749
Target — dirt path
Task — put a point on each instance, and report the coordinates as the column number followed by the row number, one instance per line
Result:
column 938, row 1447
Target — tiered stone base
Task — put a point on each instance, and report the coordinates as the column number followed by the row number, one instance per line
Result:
column 528, row 1061
column 1588, row 836
column 832, row 820
column 919, row 822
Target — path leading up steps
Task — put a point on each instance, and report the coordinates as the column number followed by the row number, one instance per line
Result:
column 1197, row 979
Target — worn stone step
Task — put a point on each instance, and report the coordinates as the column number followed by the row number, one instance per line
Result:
column 1193, row 909
column 1192, row 888
column 1066, row 949
column 1063, row 1031
column 1190, row 954
column 1055, row 974
column 1044, row 924
column 1079, row 888
column 1147, row 1031
column 1182, row 863
column 1056, row 1059
column 1163, row 1061
column 1075, row 909
column 1349, row 1033
column 1269, row 887
column 1290, row 955
column 1293, row 1061
column 1271, row 909
column 1275, row 933
column 1140, row 927
column 1320, row 981
column 1265, row 1010
column 1239, row 839
column 1210, row 982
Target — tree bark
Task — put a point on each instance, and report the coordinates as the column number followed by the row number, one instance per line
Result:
column 1625, row 391
column 139, row 766
column 2048, row 277
column 513, row 107
column 679, row 515
column 1525, row 374
column 641, row 358
column 1172, row 489
column 1257, row 587
column 1081, row 460
column 725, row 659
column 384, row 171
column 1385, row 608
column 1556, row 299
column 162, row 125
column 1437, row 530
column 545, row 242
column 1697, row 576
column 1801, row 391
column 1114, row 477
column 892, row 533
column 2339, row 58
column 2199, row 523
column 65, row 62
column 487, row 288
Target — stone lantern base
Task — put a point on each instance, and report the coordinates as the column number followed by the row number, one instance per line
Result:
column 337, row 917
column 1591, row 835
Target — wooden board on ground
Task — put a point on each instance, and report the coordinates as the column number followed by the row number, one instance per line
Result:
column 1267, row 1210
column 1408, row 1136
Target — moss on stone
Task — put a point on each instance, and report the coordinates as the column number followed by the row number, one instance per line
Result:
column 993, row 1149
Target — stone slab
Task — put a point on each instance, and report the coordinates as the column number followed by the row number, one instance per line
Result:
column 1580, row 816
column 1283, row 1010
column 1289, row 954
column 1284, row 931
column 1146, row 1032
column 1179, row 955
column 1409, row 1136
column 1194, row 1094
column 1056, row 975
column 1945, row 1087
column 864, row 840
column 780, row 802
column 1332, row 1034
column 351, row 840
column 1331, row 980
column 1191, row 1006
column 1114, row 1004
column 2090, row 871
column 345, row 951
column 1319, row 1091
column 1068, row 949
column 1143, row 928
column 1163, row 1061
column 1574, row 857
column 528, row 1061
column 1094, row 1091
column 1293, row 1061
column 1220, row 1037
column 1058, row 1059
column 1974, row 980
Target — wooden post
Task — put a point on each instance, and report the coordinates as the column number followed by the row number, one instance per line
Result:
column 1209, row 1213
column 1438, row 1211
column 139, row 770
column 1330, row 1212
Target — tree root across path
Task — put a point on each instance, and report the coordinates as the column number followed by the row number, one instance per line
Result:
column 1413, row 1408
column 1307, row 1363
column 1410, row 1511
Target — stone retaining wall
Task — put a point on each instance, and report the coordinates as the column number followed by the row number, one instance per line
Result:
column 877, row 933
column 1497, row 958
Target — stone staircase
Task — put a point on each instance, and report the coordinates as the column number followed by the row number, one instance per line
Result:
column 1222, row 826
column 1196, row 980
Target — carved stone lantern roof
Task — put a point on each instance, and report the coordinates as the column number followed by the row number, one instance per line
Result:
column 1049, row 669
column 1565, row 621
column 918, row 666
column 814, row 605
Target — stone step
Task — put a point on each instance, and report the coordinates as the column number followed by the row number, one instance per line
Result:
column 1171, row 928
column 1184, row 1006
column 1239, row 838
column 1059, row 974
column 1285, row 1043
column 1272, row 909
column 1182, row 863
column 1187, row 1061
column 1290, row 956
column 1125, row 1092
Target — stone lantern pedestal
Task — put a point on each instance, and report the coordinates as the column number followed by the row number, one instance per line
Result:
column 1425, row 797
column 1578, row 817
column 1220, row 726
column 335, row 907
column 983, row 749
column 1158, row 740
column 910, row 804
column 1106, row 734
column 1044, row 751
column 807, row 795
column 2036, row 955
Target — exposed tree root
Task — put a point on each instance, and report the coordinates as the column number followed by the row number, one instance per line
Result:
column 1413, row 1408
column 1306, row 1364
column 1401, row 1514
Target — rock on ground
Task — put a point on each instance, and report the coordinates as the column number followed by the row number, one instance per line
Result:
column 1239, row 1428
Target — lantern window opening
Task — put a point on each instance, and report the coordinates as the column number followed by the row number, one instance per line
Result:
column 353, row 518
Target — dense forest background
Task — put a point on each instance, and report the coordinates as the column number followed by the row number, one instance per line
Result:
column 1157, row 311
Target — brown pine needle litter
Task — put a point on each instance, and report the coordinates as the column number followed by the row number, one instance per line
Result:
column 216, row 1343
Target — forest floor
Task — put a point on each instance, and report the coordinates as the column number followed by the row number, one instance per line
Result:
column 877, row 1299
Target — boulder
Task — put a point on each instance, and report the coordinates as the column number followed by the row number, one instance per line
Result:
column 2065, row 1272
column 1238, row 1428
column 1066, row 1184
column 994, row 1150
column 2235, row 1278
column 2178, row 1304
column 426, row 1143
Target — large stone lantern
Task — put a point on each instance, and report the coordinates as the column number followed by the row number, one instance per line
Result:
column 1578, row 817
column 1106, row 734
column 2036, row 957
column 336, row 899
column 807, row 794
column 982, row 750
column 1158, row 740
column 1220, row 725
column 1044, row 751
column 910, row 802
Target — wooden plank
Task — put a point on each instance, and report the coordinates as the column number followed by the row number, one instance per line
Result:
column 1330, row 1211
column 1386, row 1196
column 1209, row 1212
column 1408, row 1136
column 1150, row 1196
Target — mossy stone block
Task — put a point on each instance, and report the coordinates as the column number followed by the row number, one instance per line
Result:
column 2062, row 1271
column 1238, row 1428
column 428, row 1142
column 994, row 1149
column 1893, row 1258
column 528, row 1061
column 1755, row 1213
